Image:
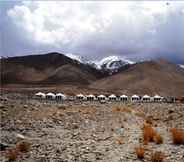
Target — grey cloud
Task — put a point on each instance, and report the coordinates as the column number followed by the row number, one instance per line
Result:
column 134, row 40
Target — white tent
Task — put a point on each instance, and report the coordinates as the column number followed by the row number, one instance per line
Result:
column 124, row 98
column 146, row 98
column 157, row 98
column 60, row 96
column 80, row 96
column 101, row 97
column 90, row 97
column 40, row 95
column 135, row 98
column 112, row 97
column 50, row 95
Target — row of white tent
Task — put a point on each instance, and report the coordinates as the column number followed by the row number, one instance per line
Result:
column 50, row 95
column 91, row 97
column 113, row 97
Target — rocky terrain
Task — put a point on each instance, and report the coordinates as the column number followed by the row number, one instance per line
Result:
column 88, row 131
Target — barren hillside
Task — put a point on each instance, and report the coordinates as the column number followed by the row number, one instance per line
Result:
column 52, row 68
column 147, row 77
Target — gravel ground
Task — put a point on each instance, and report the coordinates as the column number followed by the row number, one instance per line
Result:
column 87, row 132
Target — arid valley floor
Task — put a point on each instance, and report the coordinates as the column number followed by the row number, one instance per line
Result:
column 88, row 131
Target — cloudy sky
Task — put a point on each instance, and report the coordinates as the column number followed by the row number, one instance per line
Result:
column 135, row 30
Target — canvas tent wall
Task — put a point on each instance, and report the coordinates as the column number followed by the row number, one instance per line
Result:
column 101, row 97
column 60, row 96
column 146, row 98
column 135, row 98
column 80, row 97
column 157, row 98
column 123, row 98
column 40, row 95
column 169, row 99
column 50, row 96
column 90, row 97
column 112, row 97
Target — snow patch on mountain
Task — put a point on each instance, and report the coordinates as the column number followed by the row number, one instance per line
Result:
column 74, row 57
column 112, row 63
column 80, row 59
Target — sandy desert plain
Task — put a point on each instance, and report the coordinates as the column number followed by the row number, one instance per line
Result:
column 86, row 131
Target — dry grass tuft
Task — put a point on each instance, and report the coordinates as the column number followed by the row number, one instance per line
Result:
column 149, row 120
column 116, row 109
column 140, row 114
column 158, row 139
column 140, row 152
column 12, row 154
column 126, row 109
column 148, row 133
column 157, row 156
column 23, row 146
column 177, row 136
column 119, row 140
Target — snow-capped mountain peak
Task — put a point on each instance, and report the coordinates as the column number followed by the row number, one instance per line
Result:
column 112, row 63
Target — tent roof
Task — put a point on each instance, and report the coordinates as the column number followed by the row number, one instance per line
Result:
column 123, row 96
column 50, row 94
column 157, row 96
column 146, row 96
column 40, row 94
column 80, row 95
column 112, row 96
column 101, row 96
column 135, row 96
column 90, row 95
column 60, row 94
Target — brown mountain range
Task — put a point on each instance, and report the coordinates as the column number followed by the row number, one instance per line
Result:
column 150, row 77
column 53, row 69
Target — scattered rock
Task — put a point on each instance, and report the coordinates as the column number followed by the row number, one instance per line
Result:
column 2, row 106
column 3, row 146
column 23, row 146
column 170, row 111
column 63, row 107
column 74, row 126
column 72, row 132
column 25, row 106
column 20, row 137
column 120, row 131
